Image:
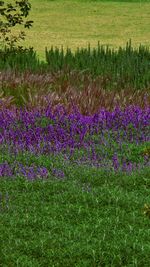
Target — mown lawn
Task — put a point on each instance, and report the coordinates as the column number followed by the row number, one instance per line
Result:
column 76, row 23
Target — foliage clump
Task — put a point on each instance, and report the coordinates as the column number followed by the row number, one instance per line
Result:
column 13, row 14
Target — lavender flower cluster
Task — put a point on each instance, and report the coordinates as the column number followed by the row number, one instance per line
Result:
column 46, row 131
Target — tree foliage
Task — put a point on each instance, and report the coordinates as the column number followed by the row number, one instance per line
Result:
column 12, row 14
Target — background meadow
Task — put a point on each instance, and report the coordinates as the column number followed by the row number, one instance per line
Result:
column 76, row 23
column 75, row 137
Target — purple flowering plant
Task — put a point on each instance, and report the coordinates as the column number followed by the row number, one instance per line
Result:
column 102, row 137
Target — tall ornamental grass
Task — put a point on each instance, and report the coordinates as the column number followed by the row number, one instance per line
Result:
column 126, row 66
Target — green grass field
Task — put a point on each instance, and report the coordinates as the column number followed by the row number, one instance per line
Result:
column 77, row 23
column 89, row 218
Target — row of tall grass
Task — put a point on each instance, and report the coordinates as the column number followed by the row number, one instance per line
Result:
column 74, row 88
column 128, row 66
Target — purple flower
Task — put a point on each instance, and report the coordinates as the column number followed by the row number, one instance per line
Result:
column 43, row 172
column 58, row 173
column 5, row 170
column 115, row 162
